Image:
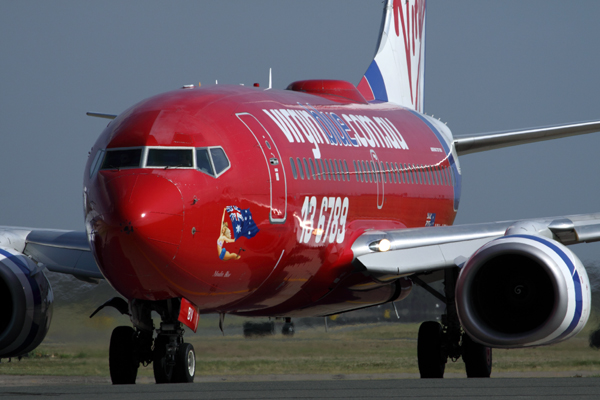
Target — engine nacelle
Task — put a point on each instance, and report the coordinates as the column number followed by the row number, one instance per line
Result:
column 25, row 304
column 523, row 290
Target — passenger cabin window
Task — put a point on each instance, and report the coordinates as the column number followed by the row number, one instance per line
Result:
column 122, row 158
column 313, row 170
column 300, row 167
column 293, row 165
column 177, row 158
column 336, row 168
column 308, row 173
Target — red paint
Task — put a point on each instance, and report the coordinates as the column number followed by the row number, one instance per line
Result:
column 340, row 91
column 365, row 89
column 188, row 314
column 154, row 231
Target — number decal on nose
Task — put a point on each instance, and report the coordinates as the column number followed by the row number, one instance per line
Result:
column 329, row 226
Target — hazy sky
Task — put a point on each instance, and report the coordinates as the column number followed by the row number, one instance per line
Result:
column 490, row 66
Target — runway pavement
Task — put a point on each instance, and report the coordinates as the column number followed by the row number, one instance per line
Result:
column 472, row 389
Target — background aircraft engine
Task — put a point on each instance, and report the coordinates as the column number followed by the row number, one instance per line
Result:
column 25, row 304
column 522, row 290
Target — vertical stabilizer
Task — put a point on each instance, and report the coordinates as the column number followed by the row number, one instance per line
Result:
column 397, row 73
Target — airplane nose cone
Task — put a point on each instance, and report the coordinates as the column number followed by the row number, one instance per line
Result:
column 148, row 207
column 139, row 231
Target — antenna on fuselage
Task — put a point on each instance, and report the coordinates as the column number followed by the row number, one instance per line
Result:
column 216, row 81
column 270, row 79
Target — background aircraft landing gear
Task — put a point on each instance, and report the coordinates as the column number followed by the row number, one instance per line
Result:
column 288, row 327
column 437, row 343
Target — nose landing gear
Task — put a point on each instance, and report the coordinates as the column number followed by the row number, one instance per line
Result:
column 174, row 361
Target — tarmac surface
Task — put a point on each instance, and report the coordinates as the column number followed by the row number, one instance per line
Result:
column 580, row 385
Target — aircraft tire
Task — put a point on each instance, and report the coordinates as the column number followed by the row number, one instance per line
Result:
column 163, row 371
column 477, row 358
column 185, row 364
column 429, row 350
column 122, row 362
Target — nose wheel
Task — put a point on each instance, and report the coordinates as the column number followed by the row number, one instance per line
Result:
column 122, row 361
column 173, row 362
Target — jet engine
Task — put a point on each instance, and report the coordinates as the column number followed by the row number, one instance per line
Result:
column 522, row 290
column 25, row 304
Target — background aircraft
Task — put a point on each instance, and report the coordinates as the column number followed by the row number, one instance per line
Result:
column 491, row 187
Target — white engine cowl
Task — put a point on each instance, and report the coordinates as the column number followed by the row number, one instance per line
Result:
column 523, row 290
column 25, row 304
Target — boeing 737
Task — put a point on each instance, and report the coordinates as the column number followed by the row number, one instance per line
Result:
column 327, row 197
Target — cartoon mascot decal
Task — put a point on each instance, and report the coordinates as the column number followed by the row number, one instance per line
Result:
column 243, row 225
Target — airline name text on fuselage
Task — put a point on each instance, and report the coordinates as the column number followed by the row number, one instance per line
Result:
column 316, row 127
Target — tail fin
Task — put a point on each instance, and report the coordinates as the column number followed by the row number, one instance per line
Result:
column 397, row 73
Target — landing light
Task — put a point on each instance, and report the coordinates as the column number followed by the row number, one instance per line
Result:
column 143, row 215
column 382, row 246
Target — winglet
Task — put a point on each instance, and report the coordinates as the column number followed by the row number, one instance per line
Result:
column 396, row 74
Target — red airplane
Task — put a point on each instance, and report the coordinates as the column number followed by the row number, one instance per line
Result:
column 328, row 197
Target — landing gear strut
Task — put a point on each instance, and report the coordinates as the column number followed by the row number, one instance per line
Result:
column 437, row 343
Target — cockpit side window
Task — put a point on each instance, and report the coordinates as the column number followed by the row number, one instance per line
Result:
column 203, row 162
column 219, row 158
column 96, row 163
column 212, row 161
column 122, row 158
column 177, row 158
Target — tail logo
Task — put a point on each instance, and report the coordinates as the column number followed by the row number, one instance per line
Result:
column 412, row 20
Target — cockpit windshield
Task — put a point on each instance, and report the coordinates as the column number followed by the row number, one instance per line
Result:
column 170, row 158
column 210, row 160
column 122, row 158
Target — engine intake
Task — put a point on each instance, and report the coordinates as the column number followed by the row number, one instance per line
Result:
column 522, row 290
column 25, row 304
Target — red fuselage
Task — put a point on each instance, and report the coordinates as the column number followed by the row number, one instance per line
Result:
column 312, row 172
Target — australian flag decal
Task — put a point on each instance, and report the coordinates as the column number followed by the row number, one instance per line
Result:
column 430, row 221
column 242, row 222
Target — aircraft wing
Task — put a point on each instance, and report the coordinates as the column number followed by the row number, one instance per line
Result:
column 420, row 250
column 497, row 140
column 60, row 251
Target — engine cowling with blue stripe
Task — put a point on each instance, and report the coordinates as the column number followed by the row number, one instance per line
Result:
column 523, row 290
column 25, row 304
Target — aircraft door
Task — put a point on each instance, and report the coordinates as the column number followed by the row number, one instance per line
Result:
column 274, row 164
column 378, row 173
